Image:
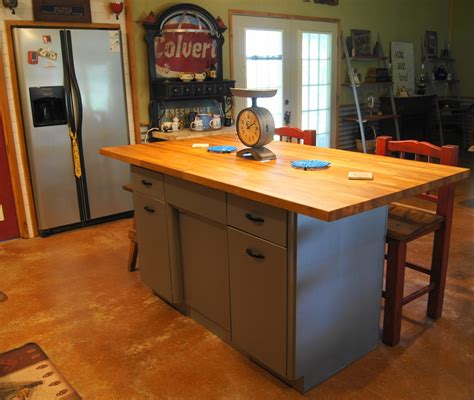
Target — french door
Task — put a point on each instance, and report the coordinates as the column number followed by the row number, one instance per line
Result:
column 297, row 57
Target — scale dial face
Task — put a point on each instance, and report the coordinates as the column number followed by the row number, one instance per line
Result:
column 248, row 128
column 255, row 126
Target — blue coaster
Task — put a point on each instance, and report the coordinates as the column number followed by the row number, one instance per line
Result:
column 222, row 149
column 309, row 164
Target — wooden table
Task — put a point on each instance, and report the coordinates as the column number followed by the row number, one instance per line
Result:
column 283, row 264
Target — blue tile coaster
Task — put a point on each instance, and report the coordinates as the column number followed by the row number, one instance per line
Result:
column 222, row 149
column 310, row 164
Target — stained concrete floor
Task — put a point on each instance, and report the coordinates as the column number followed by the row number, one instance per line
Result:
column 112, row 339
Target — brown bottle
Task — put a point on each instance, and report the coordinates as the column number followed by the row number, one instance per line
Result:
column 213, row 72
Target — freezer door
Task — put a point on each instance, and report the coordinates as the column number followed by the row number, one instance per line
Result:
column 99, row 71
column 49, row 147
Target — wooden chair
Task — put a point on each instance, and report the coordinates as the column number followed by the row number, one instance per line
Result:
column 405, row 224
column 287, row 133
column 133, row 252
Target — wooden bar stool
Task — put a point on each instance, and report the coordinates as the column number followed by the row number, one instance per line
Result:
column 287, row 132
column 405, row 224
column 133, row 252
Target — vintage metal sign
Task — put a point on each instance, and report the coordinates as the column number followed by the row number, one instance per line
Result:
column 186, row 45
column 62, row 10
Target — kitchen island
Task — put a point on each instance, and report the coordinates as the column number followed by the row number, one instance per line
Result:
column 286, row 265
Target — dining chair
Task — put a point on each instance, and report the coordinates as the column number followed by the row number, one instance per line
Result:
column 407, row 223
column 287, row 133
column 133, row 251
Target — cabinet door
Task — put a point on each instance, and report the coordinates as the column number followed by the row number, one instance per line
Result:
column 258, row 287
column 205, row 267
column 153, row 250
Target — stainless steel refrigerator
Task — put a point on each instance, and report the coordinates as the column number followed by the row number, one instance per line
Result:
column 73, row 103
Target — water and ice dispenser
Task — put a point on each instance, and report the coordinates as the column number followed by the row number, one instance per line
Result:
column 48, row 105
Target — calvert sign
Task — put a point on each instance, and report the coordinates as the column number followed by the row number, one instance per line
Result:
column 179, row 52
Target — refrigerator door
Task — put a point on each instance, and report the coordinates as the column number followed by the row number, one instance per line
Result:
column 48, row 146
column 98, row 66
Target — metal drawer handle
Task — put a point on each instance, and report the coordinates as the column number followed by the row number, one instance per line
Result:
column 251, row 253
column 146, row 183
column 149, row 209
column 250, row 217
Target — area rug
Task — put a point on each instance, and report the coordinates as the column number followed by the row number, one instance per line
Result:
column 26, row 373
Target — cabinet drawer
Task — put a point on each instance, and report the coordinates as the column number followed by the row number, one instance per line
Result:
column 152, row 234
column 258, row 298
column 201, row 200
column 147, row 182
column 260, row 219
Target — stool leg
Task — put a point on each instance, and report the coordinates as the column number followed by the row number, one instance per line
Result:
column 392, row 320
column 439, row 269
column 132, row 257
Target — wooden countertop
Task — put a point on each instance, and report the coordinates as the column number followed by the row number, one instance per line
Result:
column 324, row 194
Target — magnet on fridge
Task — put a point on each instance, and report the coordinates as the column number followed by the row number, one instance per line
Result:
column 52, row 55
column 32, row 57
column 49, row 64
column 42, row 52
column 47, row 39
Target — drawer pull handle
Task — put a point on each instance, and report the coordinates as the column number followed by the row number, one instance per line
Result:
column 253, row 254
column 250, row 217
column 146, row 183
column 149, row 209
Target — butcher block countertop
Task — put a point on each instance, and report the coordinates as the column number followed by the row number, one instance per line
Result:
column 326, row 194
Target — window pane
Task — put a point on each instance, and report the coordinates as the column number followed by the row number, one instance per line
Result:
column 313, row 97
column 324, row 46
column 323, row 72
column 263, row 49
column 313, row 72
column 322, row 122
column 314, row 46
column 323, row 98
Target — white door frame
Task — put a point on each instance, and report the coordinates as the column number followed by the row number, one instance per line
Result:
column 337, row 21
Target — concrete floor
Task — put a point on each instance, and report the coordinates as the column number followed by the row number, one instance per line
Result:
column 112, row 339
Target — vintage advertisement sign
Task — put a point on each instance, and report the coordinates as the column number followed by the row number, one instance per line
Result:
column 185, row 46
column 403, row 66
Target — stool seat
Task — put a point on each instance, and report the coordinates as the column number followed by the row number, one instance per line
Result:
column 406, row 223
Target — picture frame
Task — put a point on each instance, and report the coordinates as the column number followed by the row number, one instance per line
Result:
column 431, row 44
column 62, row 10
column 361, row 43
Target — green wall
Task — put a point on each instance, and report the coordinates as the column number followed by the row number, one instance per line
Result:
column 462, row 36
column 396, row 20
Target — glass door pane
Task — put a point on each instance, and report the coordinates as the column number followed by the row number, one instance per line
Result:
column 316, row 83
column 264, row 67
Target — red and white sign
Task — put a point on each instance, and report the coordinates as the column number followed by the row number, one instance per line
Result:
column 181, row 52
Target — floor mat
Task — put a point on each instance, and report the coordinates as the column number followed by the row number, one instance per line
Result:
column 26, row 373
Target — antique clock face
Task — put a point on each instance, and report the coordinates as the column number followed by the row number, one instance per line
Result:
column 255, row 126
column 248, row 127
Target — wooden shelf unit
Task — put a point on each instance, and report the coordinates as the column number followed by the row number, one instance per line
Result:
column 359, row 118
column 370, row 118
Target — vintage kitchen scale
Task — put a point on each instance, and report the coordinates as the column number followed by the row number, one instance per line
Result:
column 255, row 125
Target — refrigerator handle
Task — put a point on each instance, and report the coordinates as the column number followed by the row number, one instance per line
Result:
column 67, row 84
column 75, row 85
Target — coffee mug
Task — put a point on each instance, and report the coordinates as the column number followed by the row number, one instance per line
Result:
column 190, row 117
column 206, row 118
column 200, row 76
column 166, row 126
column 215, row 123
column 196, row 125
column 228, row 121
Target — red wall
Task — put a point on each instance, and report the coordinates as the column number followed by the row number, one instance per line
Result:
column 8, row 227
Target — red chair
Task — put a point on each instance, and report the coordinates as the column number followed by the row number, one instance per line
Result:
column 288, row 133
column 405, row 224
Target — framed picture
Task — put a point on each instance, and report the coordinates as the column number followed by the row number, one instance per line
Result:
column 431, row 43
column 361, row 46
column 62, row 10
